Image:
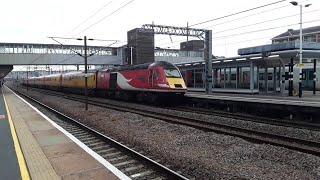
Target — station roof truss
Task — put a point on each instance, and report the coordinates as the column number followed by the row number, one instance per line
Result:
column 177, row 31
column 271, row 59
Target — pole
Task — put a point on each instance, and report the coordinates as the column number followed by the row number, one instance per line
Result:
column 300, row 57
column 314, row 75
column 85, row 71
column 291, row 77
column 187, row 32
column 208, row 61
column 27, row 78
column 131, row 59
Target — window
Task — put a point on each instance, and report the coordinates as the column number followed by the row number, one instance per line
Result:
column 310, row 38
column 311, row 75
column 261, row 76
column 270, row 76
column 156, row 75
column 174, row 73
column 233, row 77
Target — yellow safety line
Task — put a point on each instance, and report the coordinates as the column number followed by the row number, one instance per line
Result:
column 22, row 163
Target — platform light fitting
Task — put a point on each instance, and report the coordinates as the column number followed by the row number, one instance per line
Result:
column 272, row 56
column 295, row 3
column 215, row 62
column 255, row 57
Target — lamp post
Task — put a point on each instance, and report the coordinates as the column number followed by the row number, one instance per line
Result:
column 300, row 44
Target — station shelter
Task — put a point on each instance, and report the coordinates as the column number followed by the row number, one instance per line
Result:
column 261, row 69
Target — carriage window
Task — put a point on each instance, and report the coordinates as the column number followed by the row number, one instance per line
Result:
column 172, row 73
column 261, row 76
column 233, row 77
column 270, row 76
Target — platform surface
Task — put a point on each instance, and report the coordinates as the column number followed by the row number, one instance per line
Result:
column 9, row 166
column 49, row 154
column 308, row 98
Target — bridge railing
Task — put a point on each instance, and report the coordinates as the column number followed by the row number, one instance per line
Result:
column 24, row 48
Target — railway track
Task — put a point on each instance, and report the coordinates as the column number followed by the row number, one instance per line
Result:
column 236, row 116
column 252, row 118
column 302, row 145
column 130, row 162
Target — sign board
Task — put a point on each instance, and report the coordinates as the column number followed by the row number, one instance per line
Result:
column 301, row 65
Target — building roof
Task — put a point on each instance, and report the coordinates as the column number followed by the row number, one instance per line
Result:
column 291, row 32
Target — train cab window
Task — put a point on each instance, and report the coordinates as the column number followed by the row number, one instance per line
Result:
column 156, row 74
column 173, row 73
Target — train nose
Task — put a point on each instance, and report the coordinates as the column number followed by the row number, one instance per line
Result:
column 176, row 83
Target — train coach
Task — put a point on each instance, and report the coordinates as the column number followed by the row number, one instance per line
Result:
column 144, row 82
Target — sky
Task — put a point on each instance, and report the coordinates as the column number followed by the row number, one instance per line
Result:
column 32, row 21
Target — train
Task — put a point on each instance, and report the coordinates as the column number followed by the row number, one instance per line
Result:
column 194, row 78
column 144, row 82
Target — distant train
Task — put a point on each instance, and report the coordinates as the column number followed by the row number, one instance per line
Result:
column 195, row 79
column 143, row 82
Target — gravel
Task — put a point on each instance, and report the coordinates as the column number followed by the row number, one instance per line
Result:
column 197, row 154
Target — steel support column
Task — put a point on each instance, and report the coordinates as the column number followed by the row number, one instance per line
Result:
column 251, row 77
column 224, row 77
column 237, row 76
column 274, row 79
column 291, row 77
column 208, row 61
column 283, row 82
column 258, row 79
column 266, row 79
column 314, row 76
column 229, row 79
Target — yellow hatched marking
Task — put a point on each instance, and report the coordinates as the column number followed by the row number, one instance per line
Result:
column 22, row 163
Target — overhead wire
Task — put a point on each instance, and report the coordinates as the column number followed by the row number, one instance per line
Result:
column 250, row 15
column 248, row 32
column 262, row 22
column 103, row 18
column 260, row 30
column 91, row 16
column 240, row 12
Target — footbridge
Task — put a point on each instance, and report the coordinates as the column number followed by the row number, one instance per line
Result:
column 54, row 54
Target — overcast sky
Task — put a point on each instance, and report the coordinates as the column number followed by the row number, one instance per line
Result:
column 33, row 20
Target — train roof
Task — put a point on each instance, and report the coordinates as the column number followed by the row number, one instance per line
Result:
column 164, row 64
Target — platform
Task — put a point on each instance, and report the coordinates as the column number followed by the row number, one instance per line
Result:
column 9, row 165
column 47, row 152
column 307, row 100
column 226, row 90
column 273, row 106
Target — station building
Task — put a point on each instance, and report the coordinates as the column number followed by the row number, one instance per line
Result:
column 260, row 69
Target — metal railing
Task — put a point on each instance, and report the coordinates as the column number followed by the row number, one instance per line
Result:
column 27, row 48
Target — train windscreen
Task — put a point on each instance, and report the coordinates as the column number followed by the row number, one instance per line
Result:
column 173, row 73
